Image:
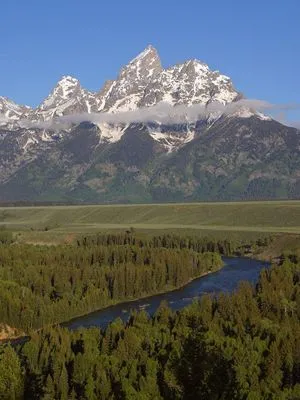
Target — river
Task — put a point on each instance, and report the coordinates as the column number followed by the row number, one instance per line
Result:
column 226, row 279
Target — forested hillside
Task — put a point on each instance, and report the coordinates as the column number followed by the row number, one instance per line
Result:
column 240, row 346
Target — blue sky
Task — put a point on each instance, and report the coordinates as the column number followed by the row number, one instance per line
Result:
column 256, row 43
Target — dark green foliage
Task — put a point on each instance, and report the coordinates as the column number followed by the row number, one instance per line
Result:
column 41, row 285
column 234, row 347
column 167, row 241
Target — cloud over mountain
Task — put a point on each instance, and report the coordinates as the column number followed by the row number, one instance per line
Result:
column 161, row 113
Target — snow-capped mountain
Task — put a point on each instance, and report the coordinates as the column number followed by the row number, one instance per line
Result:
column 68, row 97
column 189, row 83
column 141, row 83
column 11, row 112
column 127, row 91
column 218, row 155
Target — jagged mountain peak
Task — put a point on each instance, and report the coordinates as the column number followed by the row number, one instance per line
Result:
column 195, row 64
column 65, row 88
column 143, row 66
column 7, row 101
column 143, row 82
column 127, row 90
column 148, row 54
column 68, row 82
column 68, row 78
column 191, row 82
column 67, row 97
column 10, row 111
column 234, row 154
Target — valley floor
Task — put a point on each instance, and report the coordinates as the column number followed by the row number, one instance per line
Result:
column 234, row 220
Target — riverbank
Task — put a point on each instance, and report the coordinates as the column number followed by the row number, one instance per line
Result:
column 10, row 335
column 226, row 279
column 124, row 303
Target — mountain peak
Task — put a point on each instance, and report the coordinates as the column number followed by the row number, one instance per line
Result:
column 65, row 88
column 144, row 65
column 67, row 83
column 69, row 77
column 148, row 52
column 10, row 111
column 127, row 90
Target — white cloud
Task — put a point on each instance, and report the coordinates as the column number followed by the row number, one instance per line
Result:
column 161, row 113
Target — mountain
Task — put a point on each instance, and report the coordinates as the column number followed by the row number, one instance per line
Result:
column 115, row 146
column 11, row 112
column 68, row 97
column 127, row 91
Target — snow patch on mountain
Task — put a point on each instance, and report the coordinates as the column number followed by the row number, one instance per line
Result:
column 67, row 97
column 111, row 133
column 169, row 140
column 10, row 111
column 128, row 89
column 142, row 83
column 29, row 141
column 189, row 83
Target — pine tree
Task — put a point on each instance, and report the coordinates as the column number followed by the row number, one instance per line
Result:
column 11, row 375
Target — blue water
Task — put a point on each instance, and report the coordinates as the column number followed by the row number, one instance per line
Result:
column 227, row 279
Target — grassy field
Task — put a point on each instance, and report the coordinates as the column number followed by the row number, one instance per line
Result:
column 53, row 223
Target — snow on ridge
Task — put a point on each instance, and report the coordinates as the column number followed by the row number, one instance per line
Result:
column 149, row 49
column 64, row 89
column 141, row 83
column 68, row 84
column 111, row 133
column 263, row 116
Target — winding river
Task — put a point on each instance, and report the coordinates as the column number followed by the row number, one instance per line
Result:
column 225, row 280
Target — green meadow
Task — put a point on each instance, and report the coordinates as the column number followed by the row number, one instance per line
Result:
column 237, row 219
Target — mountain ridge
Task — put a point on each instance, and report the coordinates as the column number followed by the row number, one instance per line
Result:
column 218, row 155
column 133, row 89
